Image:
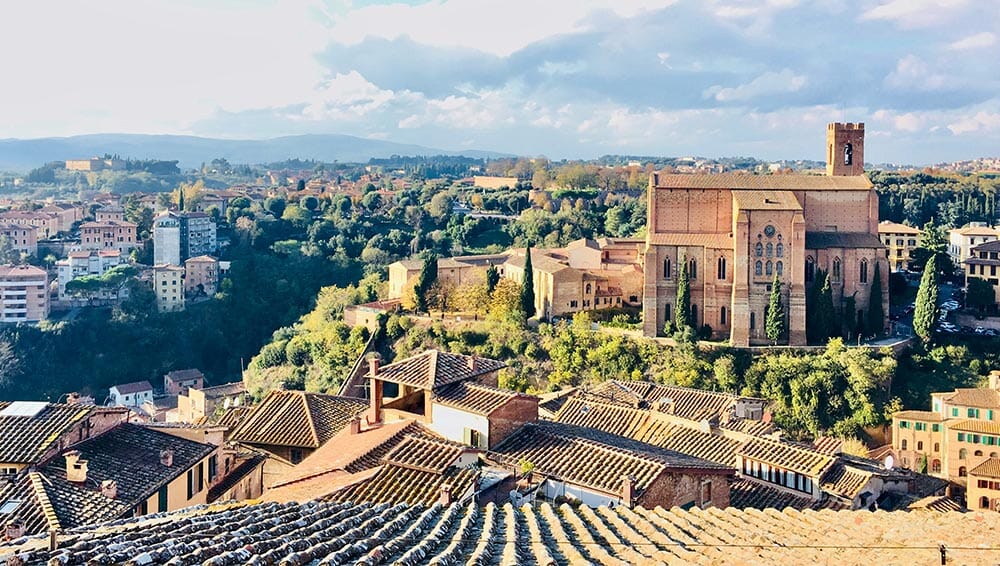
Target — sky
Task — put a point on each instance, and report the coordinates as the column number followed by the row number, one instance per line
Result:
column 560, row 78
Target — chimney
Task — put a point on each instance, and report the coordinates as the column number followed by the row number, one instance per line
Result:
column 373, row 364
column 76, row 469
column 15, row 530
column 444, row 498
column 167, row 457
column 354, row 426
column 628, row 491
column 109, row 489
column 995, row 379
column 473, row 361
column 374, row 415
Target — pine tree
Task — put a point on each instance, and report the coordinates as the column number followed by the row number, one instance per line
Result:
column 492, row 278
column 925, row 310
column 774, row 326
column 428, row 275
column 528, row 286
column 876, row 316
column 682, row 307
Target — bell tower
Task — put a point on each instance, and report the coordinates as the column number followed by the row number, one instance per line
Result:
column 845, row 149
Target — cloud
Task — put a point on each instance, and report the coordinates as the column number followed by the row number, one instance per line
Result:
column 913, row 73
column 768, row 83
column 975, row 41
column 980, row 122
column 914, row 13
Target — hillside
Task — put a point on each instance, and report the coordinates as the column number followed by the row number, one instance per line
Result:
column 191, row 151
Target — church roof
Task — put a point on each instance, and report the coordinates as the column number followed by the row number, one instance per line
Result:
column 823, row 240
column 747, row 181
column 766, row 200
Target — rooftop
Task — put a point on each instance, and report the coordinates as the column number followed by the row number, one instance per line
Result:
column 989, row 469
column 349, row 533
column 979, row 397
column 474, row 397
column 433, row 368
column 134, row 387
column 26, row 435
column 746, row 181
column 887, row 227
column 824, row 240
column 297, row 419
column 784, row 455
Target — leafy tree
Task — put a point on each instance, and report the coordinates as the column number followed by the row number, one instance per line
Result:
column 528, row 287
column 301, row 185
column 428, row 275
column 505, row 303
column 492, row 278
column 310, row 203
column 472, row 296
column 8, row 255
column 682, row 306
column 275, row 205
column 933, row 243
column 925, row 310
column 774, row 326
column 979, row 294
column 876, row 315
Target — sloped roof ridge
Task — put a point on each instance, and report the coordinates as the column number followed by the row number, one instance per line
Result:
column 38, row 486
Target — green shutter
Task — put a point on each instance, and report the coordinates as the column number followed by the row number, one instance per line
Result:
column 161, row 503
column 190, row 483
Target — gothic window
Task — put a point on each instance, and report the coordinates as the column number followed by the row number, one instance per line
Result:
column 769, row 269
column 757, row 268
column 588, row 290
column 758, row 249
column 666, row 268
column 722, row 316
column 770, row 249
column 810, row 269
column 722, row 268
column 779, row 268
column 836, row 269
column 864, row 271
column 694, row 316
column 848, row 154
column 693, row 268
column 666, row 316
column 753, row 320
column 779, row 250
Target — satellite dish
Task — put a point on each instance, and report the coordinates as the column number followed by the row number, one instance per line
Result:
column 889, row 461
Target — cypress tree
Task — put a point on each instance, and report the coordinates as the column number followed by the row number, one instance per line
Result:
column 682, row 307
column 925, row 310
column 180, row 199
column 826, row 317
column 876, row 316
column 492, row 278
column 775, row 324
column 428, row 275
column 528, row 286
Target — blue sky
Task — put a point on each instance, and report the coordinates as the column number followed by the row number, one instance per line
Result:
column 562, row 78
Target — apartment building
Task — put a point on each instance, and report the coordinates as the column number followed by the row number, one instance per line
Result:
column 22, row 238
column 962, row 240
column 202, row 276
column 168, row 282
column 24, row 294
column 87, row 263
column 48, row 224
column 900, row 240
column 178, row 236
column 108, row 235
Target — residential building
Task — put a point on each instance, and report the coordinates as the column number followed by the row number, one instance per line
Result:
column 88, row 263
column 597, row 469
column 452, row 394
column 291, row 425
column 201, row 277
column 108, row 235
column 984, row 486
column 962, row 240
column 452, row 270
column 110, row 213
column 178, row 236
column 490, row 182
column 46, row 223
column 900, row 240
column 130, row 394
column 68, row 214
column 983, row 262
column 368, row 314
column 168, row 282
column 736, row 232
column 24, row 294
column 179, row 381
column 959, row 433
column 199, row 403
column 21, row 238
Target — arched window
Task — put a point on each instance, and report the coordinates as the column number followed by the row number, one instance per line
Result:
column 693, row 268
column 758, row 268
column 722, row 268
column 920, row 445
column 722, row 316
column 848, row 153
column 810, row 269
column 993, row 454
column 694, row 316
column 963, row 454
column 666, row 268
column 977, row 453
column 902, row 444
column 936, row 466
column 961, row 472
column 758, row 250
column 768, row 269
column 753, row 321
column 589, row 289
column 836, row 269
column 937, row 446
column 770, row 249
column 779, row 268
column 984, row 502
column 666, row 315
column 779, row 250
column 864, row 271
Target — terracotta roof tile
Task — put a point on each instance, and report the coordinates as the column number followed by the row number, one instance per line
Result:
column 990, row 469
column 929, row 416
column 711, row 241
column 474, row 397
column 938, row 503
column 887, row 227
column 296, row 418
column 746, row 493
column 845, row 481
column 981, row 397
column 24, row 439
column 825, row 240
column 425, row 453
column 393, row 484
column 134, row 387
column 748, row 181
column 766, row 200
column 434, row 368
column 973, row 425
column 784, row 455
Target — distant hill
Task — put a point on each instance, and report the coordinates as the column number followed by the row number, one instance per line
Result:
column 192, row 151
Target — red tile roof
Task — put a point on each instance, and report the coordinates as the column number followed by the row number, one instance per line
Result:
column 434, row 368
column 297, row 419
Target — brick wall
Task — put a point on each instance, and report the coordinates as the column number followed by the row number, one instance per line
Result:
column 508, row 418
column 676, row 489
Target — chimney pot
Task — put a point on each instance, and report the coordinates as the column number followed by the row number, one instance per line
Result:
column 76, row 468
column 472, row 362
column 355, row 425
column 445, row 496
column 109, row 489
column 167, row 457
column 628, row 491
column 373, row 363
column 15, row 530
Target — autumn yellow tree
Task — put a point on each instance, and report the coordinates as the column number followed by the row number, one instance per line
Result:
column 409, row 298
column 505, row 304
